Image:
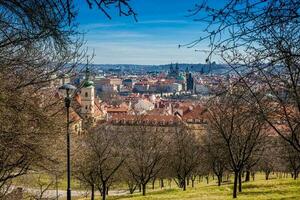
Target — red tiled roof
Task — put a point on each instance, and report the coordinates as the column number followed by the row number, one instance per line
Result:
column 98, row 111
column 74, row 117
column 145, row 119
column 117, row 110
column 194, row 113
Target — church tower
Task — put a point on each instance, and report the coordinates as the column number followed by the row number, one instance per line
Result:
column 189, row 80
column 176, row 69
column 87, row 94
column 171, row 69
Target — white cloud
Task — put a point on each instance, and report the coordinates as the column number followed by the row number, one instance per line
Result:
column 165, row 21
column 100, row 25
column 144, row 46
column 114, row 25
column 143, row 53
column 108, row 35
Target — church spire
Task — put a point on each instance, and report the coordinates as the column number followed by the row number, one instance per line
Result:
column 87, row 73
column 187, row 70
column 87, row 82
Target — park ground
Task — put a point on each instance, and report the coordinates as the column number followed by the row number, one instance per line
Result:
column 260, row 189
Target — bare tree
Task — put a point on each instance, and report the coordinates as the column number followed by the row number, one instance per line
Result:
column 146, row 150
column 271, row 158
column 85, row 172
column 185, row 154
column 233, row 118
column 261, row 38
column 42, row 187
column 28, row 47
column 102, row 158
column 27, row 130
column 123, row 7
column 129, row 179
column 292, row 159
column 38, row 42
column 215, row 155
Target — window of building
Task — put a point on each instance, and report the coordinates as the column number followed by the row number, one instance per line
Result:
column 86, row 94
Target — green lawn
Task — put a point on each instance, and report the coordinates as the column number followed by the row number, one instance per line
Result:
column 33, row 180
column 258, row 190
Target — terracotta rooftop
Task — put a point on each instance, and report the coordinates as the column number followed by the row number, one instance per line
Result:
column 74, row 117
column 145, row 119
column 117, row 110
column 194, row 113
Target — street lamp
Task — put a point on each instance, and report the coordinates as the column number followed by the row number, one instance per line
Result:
column 69, row 89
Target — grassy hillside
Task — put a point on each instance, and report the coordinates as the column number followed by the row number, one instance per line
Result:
column 258, row 190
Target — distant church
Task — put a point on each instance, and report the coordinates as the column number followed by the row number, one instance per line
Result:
column 174, row 71
column 86, row 107
column 189, row 80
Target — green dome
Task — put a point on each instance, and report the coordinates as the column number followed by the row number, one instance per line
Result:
column 88, row 84
column 180, row 78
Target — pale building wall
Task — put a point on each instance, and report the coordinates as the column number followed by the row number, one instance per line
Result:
column 88, row 100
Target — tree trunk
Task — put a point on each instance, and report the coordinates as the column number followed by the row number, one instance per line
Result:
column 93, row 192
column 193, row 182
column 188, row 181
column 240, row 182
column 219, row 180
column 103, row 190
column 253, row 176
column 184, row 185
column 247, row 178
column 140, row 188
column 234, row 194
column 207, row 179
column 144, row 189
column 267, row 175
column 295, row 174
column 170, row 183
column 131, row 188
column 153, row 184
column 162, row 183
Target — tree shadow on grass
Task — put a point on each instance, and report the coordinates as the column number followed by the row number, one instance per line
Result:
column 158, row 192
column 270, row 184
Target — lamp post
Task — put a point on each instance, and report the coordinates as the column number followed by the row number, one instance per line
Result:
column 68, row 88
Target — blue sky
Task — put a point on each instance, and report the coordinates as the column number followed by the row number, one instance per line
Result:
column 162, row 25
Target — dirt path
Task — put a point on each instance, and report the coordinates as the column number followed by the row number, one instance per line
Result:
column 62, row 193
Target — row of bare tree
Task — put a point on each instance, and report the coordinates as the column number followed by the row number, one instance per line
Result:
column 259, row 42
column 136, row 155
column 238, row 141
column 239, row 138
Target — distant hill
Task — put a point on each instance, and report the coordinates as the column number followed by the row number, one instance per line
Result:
column 137, row 69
